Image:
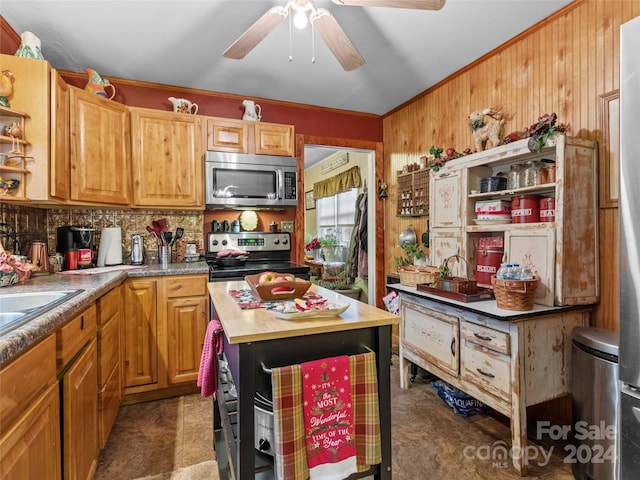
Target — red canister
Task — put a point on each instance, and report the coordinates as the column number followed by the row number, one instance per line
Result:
column 525, row 209
column 487, row 264
column 547, row 209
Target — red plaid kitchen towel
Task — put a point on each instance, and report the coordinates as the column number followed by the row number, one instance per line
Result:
column 288, row 424
column 291, row 458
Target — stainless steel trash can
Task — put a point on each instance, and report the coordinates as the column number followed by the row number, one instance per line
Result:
column 595, row 391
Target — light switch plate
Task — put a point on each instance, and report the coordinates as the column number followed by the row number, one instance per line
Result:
column 286, row 226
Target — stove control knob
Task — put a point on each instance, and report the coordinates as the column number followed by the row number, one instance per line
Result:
column 215, row 242
column 224, row 242
column 263, row 444
column 276, row 241
column 285, row 241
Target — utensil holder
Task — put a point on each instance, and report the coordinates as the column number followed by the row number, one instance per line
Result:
column 164, row 255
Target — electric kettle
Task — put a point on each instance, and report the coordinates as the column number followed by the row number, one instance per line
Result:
column 137, row 248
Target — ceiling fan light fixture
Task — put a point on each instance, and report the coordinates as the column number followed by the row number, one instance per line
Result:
column 300, row 20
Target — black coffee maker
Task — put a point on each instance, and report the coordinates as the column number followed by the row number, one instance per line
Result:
column 78, row 238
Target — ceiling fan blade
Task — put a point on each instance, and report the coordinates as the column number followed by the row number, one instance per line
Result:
column 256, row 33
column 414, row 4
column 335, row 38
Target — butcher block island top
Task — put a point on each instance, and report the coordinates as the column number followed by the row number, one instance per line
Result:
column 258, row 324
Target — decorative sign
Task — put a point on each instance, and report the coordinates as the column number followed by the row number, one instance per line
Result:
column 335, row 163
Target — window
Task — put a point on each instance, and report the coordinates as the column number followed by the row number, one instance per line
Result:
column 337, row 214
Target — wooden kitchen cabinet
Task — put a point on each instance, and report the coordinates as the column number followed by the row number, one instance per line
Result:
column 563, row 253
column 166, row 157
column 140, row 332
column 274, row 139
column 509, row 363
column 240, row 136
column 30, row 415
column 60, row 138
column 227, row 135
column 165, row 323
column 99, row 149
column 40, row 91
column 110, row 375
column 77, row 362
column 187, row 319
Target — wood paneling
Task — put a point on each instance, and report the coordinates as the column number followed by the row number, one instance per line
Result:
column 562, row 65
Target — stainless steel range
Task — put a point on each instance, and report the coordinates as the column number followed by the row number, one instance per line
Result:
column 268, row 251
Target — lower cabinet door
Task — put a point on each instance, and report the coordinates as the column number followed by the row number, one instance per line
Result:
column 31, row 448
column 80, row 416
column 186, row 326
column 431, row 335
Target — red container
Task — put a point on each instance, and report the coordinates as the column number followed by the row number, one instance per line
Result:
column 487, row 264
column 547, row 209
column 525, row 209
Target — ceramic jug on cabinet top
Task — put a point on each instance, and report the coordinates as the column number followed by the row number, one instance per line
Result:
column 182, row 105
column 29, row 46
column 252, row 111
column 97, row 85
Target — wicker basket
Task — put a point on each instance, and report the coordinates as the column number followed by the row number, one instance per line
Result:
column 411, row 275
column 457, row 284
column 515, row 294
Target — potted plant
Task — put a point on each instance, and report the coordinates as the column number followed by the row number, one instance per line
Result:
column 331, row 247
column 415, row 255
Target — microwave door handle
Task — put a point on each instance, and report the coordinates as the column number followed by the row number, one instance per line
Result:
column 280, row 187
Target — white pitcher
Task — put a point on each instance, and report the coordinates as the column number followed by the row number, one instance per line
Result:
column 182, row 105
column 252, row 111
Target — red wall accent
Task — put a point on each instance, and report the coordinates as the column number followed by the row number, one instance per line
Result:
column 307, row 119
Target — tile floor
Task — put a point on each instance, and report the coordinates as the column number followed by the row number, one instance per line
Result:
column 172, row 439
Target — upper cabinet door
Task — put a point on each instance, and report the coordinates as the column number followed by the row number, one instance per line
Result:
column 445, row 205
column 274, row 139
column 227, row 135
column 166, row 159
column 100, row 162
column 59, row 166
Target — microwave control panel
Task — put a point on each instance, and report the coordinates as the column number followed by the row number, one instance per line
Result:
column 290, row 182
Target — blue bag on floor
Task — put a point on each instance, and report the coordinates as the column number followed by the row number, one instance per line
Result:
column 462, row 403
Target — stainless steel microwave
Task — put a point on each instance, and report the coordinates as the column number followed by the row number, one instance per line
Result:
column 236, row 180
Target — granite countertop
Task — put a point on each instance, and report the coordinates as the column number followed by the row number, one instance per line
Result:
column 13, row 342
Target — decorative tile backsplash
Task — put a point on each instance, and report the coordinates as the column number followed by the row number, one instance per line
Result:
column 32, row 223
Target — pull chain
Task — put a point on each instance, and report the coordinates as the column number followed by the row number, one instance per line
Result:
column 313, row 43
column 290, row 40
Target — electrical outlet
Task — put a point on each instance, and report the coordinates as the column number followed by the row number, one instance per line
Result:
column 286, row 226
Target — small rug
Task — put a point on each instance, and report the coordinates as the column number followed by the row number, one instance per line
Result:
column 201, row 471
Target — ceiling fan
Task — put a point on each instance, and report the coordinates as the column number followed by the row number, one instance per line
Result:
column 322, row 21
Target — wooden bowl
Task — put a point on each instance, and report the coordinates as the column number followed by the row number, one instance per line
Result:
column 277, row 290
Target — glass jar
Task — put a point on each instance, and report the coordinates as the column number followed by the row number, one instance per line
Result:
column 513, row 176
column 531, row 173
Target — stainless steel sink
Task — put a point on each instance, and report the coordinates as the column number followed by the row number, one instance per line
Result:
column 18, row 308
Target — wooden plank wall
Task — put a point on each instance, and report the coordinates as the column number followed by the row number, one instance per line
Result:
column 563, row 65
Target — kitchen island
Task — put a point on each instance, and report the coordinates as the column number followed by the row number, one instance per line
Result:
column 255, row 338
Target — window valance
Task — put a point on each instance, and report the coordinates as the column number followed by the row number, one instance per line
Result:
column 337, row 184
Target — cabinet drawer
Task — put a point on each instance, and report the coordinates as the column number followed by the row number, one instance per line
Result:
column 25, row 378
column 74, row 335
column 489, row 370
column 108, row 306
column 486, row 337
column 181, row 286
column 108, row 349
column 430, row 335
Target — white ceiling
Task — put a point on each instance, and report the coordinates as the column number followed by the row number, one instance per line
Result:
column 181, row 43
